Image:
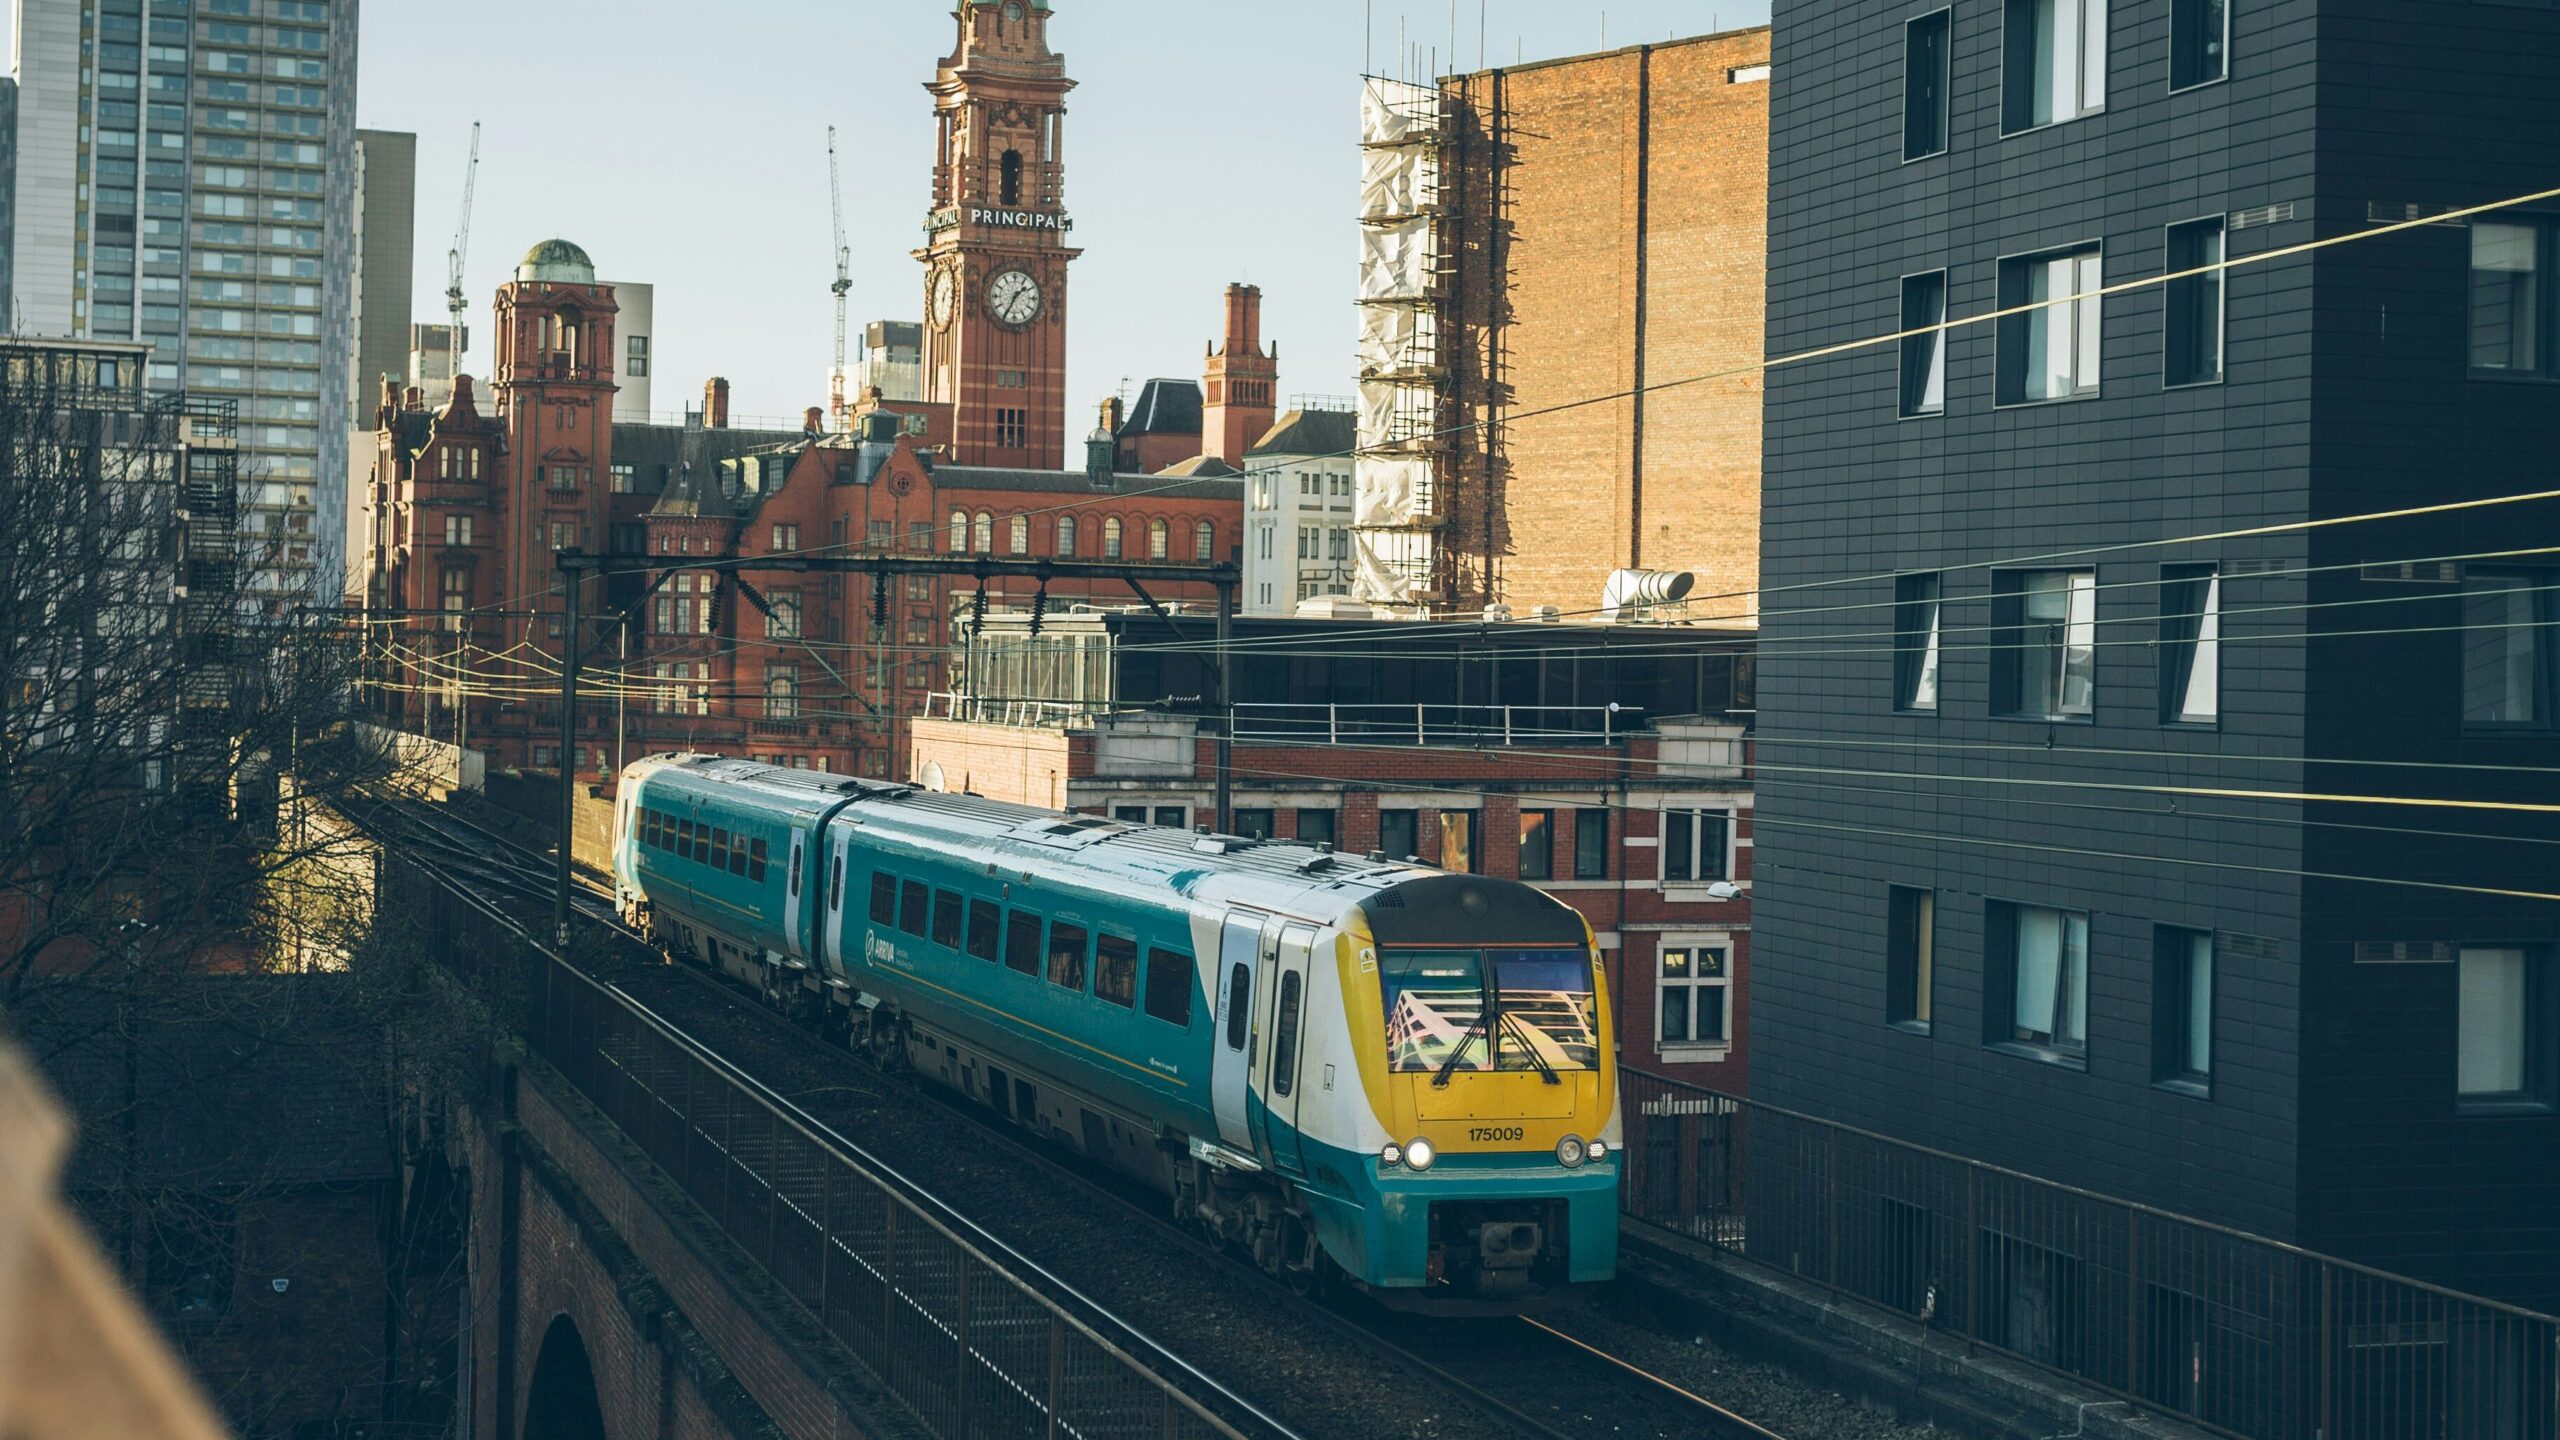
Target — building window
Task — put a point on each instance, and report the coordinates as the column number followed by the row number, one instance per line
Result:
column 455, row 594
column 636, row 357
column 1915, row 642
column 567, row 477
column 1398, row 834
column 1910, row 957
column 1013, row 429
column 1111, row 538
column 786, row 539
column 1009, row 182
column 1924, row 85
column 457, row 529
column 959, row 532
column 2055, row 57
column 2044, row 657
column 1319, row 827
column 1537, row 844
column 1458, row 849
column 1924, row 355
column 784, row 622
column 1066, row 537
column 1689, row 998
column 1254, row 824
column 1159, row 540
column 2036, row 985
column 2182, row 1009
column 2190, row 645
column 2192, row 341
column 2510, row 306
column 782, row 692
column 2199, row 42
column 564, row 534
column 1018, row 534
column 1204, row 542
column 2504, row 1028
column 2049, row 349
column 1590, row 844
column 1697, row 845
column 2507, row 668
column 623, row 477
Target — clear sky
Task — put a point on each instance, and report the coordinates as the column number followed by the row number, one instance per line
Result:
column 683, row 143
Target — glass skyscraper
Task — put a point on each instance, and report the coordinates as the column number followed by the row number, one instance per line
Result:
column 183, row 173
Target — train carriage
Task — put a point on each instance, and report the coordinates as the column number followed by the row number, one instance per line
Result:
column 1337, row 1064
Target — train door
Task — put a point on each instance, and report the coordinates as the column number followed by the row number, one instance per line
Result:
column 831, row 917
column 1239, row 957
column 795, row 911
column 1283, row 1038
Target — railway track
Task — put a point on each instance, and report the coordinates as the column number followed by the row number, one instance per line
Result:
column 1526, row 1375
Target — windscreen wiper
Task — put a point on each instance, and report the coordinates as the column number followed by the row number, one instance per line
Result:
column 1529, row 1042
column 1449, row 1066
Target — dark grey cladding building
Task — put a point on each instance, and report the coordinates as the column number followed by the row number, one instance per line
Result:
column 2052, row 869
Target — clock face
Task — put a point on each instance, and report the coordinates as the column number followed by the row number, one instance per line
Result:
column 1014, row 298
column 945, row 300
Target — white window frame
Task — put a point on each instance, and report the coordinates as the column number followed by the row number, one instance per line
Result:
column 1697, row 987
column 2058, row 1001
column 1732, row 842
column 2072, row 32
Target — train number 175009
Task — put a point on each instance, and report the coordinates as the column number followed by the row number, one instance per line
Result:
column 1491, row 1134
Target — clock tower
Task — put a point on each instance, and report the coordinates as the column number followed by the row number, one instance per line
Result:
column 995, row 282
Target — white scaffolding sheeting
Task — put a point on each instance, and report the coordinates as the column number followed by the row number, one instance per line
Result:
column 1401, row 128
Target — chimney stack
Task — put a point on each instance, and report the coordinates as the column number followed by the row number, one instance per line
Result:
column 715, row 404
column 1240, row 382
column 813, row 421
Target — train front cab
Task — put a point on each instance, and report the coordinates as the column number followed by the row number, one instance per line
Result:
column 1487, row 1181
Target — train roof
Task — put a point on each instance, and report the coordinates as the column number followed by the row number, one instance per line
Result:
column 1103, row 853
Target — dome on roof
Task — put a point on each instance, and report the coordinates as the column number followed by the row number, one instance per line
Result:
column 556, row 260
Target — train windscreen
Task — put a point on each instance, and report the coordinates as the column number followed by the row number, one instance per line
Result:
column 1538, row 1014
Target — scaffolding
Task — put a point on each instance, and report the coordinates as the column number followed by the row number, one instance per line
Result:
column 1402, row 446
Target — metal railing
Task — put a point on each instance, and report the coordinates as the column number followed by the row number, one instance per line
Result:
column 1431, row 724
column 2242, row 1334
column 914, row 1291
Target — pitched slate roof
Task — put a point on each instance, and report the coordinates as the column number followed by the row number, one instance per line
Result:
column 1165, row 407
column 1310, row 432
column 654, row 451
column 1201, row 465
column 989, row 477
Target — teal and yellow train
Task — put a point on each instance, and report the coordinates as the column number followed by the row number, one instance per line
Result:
column 1345, row 1067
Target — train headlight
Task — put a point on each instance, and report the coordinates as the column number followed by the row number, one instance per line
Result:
column 1599, row 1149
column 1418, row 1153
column 1391, row 1154
column 1570, row 1152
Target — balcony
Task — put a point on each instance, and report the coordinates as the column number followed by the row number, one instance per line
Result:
column 1440, row 725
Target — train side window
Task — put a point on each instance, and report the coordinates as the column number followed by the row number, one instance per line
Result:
column 912, row 900
column 738, row 855
column 1115, row 970
column 1066, row 956
column 984, row 921
column 1284, row 1038
column 719, row 848
column 758, row 857
column 835, row 883
column 1169, row 986
column 1239, row 1000
column 884, row 898
column 684, row 839
column 1022, row 942
column 946, row 919
column 649, row 828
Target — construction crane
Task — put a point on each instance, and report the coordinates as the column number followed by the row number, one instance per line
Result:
column 453, row 258
column 843, row 285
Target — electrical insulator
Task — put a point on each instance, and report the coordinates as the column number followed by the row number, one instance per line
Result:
column 879, row 600
column 1039, row 609
column 978, row 612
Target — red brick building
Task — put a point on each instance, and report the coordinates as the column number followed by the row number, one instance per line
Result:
column 1621, row 786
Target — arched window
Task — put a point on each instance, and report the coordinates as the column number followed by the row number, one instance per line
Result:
column 569, row 325
column 1021, row 536
column 959, row 531
column 986, row 534
column 1158, row 538
column 1111, row 538
column 1066, row 537
column 1204, row 542
column 1011, row 187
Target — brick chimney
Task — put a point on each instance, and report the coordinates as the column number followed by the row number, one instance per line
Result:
column 1240, row 382
column 715, row 404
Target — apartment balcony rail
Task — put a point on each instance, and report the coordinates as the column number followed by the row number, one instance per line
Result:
column 2247, row 1336
column 1434, row 724
column 1016, row 713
